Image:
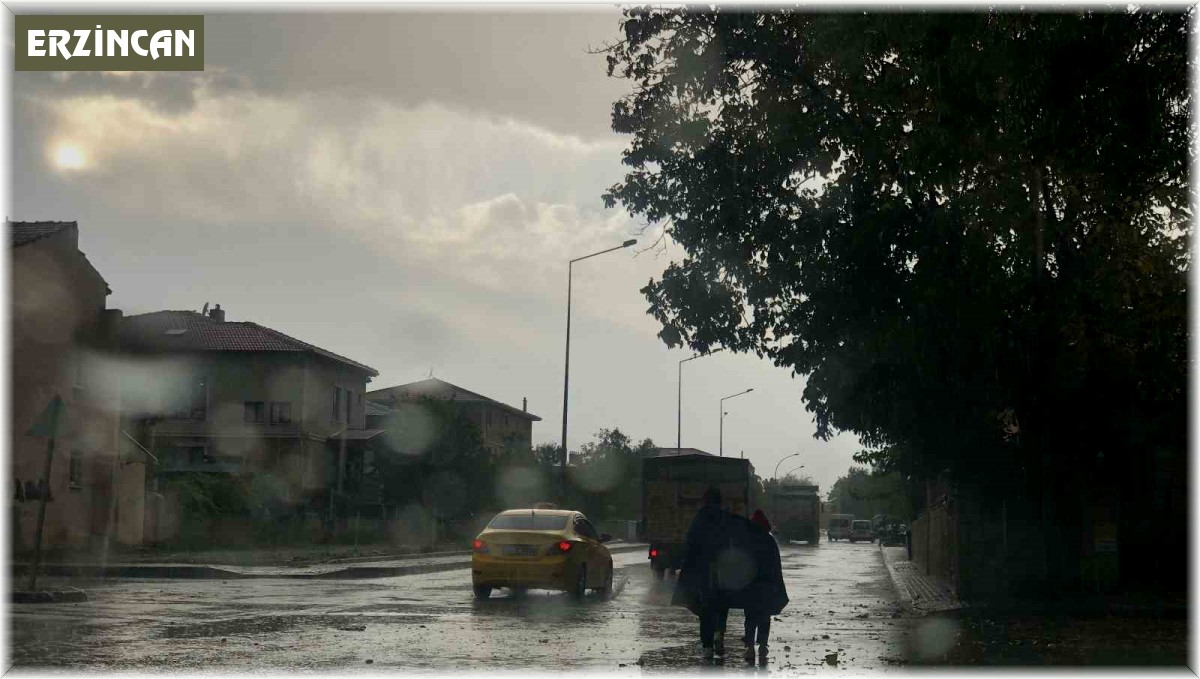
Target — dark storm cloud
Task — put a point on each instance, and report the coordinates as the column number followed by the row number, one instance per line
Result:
column 531, row 66
column 404, row 189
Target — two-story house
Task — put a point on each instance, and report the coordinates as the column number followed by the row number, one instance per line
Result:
column 243, row 399
column 500, row 425
column 63, row 339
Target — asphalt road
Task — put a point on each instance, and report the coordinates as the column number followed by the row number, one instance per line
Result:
column 842, row 602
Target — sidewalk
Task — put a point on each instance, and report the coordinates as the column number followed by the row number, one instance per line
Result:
column 344, row 569
column 919, row 594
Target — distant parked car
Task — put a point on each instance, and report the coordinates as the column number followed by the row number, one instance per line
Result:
column 861, row 530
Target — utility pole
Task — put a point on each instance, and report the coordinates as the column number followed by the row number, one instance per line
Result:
column 47, row 425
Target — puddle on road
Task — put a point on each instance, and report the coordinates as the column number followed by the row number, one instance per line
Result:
column 437, row 625
column 269, row 624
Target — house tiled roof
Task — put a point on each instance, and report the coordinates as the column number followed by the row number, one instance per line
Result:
column 23, row 233
column 443, row 390
column 191, row 331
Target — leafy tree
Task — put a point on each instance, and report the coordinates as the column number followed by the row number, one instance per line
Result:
column 966, row 231
column 865, row 493
column 792, row 479
column 607, row 480
column 433, row 455
column 548, row 456
column 789, row 479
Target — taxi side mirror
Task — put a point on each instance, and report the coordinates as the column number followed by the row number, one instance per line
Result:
column 605, row 537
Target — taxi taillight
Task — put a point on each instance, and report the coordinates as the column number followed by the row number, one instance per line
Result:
column 564, row 546
column 479, row 546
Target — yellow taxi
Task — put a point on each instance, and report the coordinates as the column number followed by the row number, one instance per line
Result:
column 541, row 549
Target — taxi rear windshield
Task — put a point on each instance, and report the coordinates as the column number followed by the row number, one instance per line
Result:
column 528, row 522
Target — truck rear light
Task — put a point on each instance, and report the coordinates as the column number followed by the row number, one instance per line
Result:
column 654, row 554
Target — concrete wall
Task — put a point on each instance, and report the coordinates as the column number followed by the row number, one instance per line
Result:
column 322, row 376
column 935, row 543
column 59, row 337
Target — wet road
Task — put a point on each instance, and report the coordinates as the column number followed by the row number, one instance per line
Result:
column 842, row 602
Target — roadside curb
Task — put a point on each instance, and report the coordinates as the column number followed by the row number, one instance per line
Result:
column 214, row 572
column 919, row 595
column 68, row 595
column 399, row 557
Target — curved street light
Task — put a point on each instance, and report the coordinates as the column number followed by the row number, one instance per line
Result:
column 679, row 400
column 794, row 470
column 567, row 360
column 776, row 472
column 721, row 445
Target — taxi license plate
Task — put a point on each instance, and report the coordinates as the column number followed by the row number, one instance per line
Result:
column 520, row 550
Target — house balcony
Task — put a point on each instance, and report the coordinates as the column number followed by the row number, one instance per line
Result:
column 218, row 465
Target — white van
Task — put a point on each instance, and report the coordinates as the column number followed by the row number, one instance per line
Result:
column 839, row 527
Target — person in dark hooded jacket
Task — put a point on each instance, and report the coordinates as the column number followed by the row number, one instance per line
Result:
column 766, row 594
column 697, row 586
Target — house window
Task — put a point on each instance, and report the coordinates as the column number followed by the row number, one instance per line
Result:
column 190, row 400
column 76, row 469
column 349, row 395
column 199, row 398
column 281, row 412
column 337, row 403
column 198, row 455
column 186, row 458
column 253, row 412
column 488, row 418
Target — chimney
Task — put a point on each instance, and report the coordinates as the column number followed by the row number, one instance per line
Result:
column 217, row 314
column 524, row 404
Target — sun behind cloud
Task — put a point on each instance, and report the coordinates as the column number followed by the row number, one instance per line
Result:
column 69, row 157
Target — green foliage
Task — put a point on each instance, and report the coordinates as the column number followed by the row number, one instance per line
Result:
column 966, row 230
column 606, row 482
column 211, row 496
column 433, row 455
column 761, row 488
column 866, row 493
column 790, row 479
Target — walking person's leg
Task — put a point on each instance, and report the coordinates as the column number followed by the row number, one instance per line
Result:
column 764, row 633
column 748, row 637
column 721, row 617
column 706, row 630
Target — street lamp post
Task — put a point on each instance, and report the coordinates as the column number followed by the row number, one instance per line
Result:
column 721, row 445
column 793, row 470
column 679, row 401
column 776, row 472
column 567, row 359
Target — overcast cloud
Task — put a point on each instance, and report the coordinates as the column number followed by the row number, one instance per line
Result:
column 403, row 189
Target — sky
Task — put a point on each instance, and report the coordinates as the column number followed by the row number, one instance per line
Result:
column 404, row 188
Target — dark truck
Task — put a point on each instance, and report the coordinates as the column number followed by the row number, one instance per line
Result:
column 795, row 513
column 673, row 485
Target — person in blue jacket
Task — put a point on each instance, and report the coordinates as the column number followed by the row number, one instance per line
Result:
column 697, row 587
